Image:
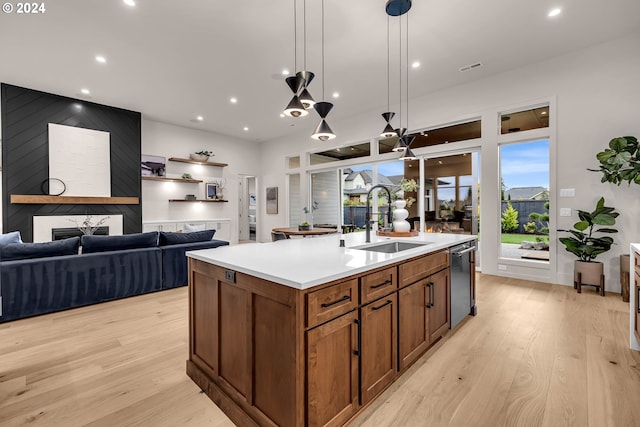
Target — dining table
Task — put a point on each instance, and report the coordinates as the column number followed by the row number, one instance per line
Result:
column 315, row 231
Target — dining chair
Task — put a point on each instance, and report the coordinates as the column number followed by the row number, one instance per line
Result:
column 278, row 235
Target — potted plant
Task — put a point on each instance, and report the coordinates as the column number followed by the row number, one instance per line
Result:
column 587, row 246
column 304, row 226
column 201, row 156
column 621, row 161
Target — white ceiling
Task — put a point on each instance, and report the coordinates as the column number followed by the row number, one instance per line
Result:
column 175, row 60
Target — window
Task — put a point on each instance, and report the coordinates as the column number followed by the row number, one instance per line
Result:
column 524, row 221
column 325, row 195
column 520, row 121
column 341, row 153
column 442, row 135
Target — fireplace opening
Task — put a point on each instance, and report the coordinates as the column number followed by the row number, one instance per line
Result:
column 65, row 233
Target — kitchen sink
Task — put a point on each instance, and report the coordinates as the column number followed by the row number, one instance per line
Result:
column 391, row 247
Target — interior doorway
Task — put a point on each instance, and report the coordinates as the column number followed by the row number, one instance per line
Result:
column 248, row 208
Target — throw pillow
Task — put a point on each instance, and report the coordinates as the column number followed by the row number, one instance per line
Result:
column 92, row 244
column 193, row 227
column 15, row 251
column 12, row 237
column 168, row 238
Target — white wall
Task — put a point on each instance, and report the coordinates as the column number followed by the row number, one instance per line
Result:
column 594, row 96
column 167, row 140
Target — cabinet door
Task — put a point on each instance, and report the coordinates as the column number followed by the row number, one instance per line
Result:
column 379, row 346
column 332, row 371
column 637, row 308
column 413, row 323
column 438, row 304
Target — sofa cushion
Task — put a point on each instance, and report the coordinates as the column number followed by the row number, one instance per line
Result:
column 168, row 238
column 188, row 228
column 12, row 237
column 15, row 251
column 92, row 243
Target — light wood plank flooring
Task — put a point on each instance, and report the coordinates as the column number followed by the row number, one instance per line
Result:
column 536, row 355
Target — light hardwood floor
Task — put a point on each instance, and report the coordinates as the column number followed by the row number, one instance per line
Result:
column 536, row 355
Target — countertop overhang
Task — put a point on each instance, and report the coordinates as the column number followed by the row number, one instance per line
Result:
column 307, row 262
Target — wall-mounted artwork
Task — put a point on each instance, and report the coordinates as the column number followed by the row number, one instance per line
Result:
column 153, row 165
column 272, row 200
column 81, row 159
column 252, row 199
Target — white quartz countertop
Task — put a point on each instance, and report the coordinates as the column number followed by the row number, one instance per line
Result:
column 306, row 262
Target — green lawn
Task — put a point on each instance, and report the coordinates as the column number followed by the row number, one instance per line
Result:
column 517, row 238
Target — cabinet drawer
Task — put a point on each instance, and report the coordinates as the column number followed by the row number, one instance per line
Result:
column 327, row 303
column 416, row 269
column 376, row 285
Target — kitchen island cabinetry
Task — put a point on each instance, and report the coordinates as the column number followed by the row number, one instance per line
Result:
column 269, row 353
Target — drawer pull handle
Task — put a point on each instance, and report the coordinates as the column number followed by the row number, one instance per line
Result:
column 329, row 304
column 379, row 307
column 431, row 294
column 385, row 283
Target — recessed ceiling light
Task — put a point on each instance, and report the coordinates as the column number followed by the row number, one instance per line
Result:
column 85, row 91
column 199, row 118
column 336, row 95
column 543, row 113
column 245, row 128
column 285, row 72
column 555, row 12
column 233, row 100
column 416, row 64
column 101, row 59
column 129, row 2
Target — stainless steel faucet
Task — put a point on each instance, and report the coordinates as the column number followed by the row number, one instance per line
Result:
column 367, row 222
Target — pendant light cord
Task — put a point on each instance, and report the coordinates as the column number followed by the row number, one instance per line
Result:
column 407, row 71
column 322, row 41
column 304, row 37
column 295, row 36
column 400, row 69
column 388, row 68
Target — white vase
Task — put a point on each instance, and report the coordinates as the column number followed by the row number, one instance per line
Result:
column 400, row 214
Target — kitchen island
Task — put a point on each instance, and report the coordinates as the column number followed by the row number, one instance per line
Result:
column 306, row 332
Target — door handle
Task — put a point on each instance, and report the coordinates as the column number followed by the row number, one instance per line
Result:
column 386, row 282
column 329, row 304
column 430, row 286
column 381, row 306
column 357, row 350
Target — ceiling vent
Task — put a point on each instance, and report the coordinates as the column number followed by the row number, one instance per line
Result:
column 470, row 67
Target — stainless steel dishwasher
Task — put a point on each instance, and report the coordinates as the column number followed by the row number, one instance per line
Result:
column 462, row 297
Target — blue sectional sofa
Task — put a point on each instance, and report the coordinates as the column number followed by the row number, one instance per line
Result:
column 39, row 278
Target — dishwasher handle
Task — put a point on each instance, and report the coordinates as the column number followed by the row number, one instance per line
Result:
column 465, row 251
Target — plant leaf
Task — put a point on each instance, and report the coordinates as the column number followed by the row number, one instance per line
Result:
column 582, row 225
column 618, row 144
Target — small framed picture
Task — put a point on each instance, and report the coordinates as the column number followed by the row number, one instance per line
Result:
column 252, row 199
column 211, row 190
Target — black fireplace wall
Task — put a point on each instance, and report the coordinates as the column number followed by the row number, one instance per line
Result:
column 26, row 114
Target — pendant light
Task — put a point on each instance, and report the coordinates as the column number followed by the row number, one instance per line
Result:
column 296, row 108
column 397, row 7
column 323, row 131
column 401, row 143
column 388, row 131
column 407, row 154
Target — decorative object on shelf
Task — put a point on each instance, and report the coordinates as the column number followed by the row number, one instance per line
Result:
column 190, row 197
column 400, row 214
column 220, row 183
column 272, row 200
column 621, row 161
column 211, row 190
column 87, row 226
column 55, row 187
column 587, row 247
column 309, row 213
column 186, row 176
column 153, row 165
column 201, row 156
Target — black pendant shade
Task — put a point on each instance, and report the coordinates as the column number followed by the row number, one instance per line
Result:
column 295, row 108
column 400, row 131
column 408, row 155
column 388, row 116
column 408, row 139
column 323, row 108
column 323, row 132
column 401, row 144
column 294, row 83
column 388, row 132
column 307, row 100
column 397, row 7
column 306, row 76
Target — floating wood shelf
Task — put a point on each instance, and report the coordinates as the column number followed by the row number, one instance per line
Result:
column 195, row 162
column 163, row 178
column 36, row 199
column 199, row 200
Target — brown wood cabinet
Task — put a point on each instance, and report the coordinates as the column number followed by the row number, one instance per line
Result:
column 379, row 347
column 332, row 371
column 269, row 354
